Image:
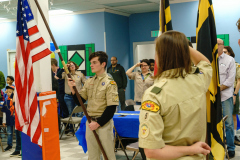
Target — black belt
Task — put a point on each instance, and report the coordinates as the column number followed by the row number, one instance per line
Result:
column 95, row 118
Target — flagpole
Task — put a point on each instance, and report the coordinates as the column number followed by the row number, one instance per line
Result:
column 69, row 76
column 163, row 15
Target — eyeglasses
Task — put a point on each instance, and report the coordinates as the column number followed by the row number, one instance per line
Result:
column 72, row 65
column 220, row 44
column 144, row 65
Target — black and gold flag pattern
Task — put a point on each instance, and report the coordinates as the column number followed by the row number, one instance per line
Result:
column 206, row 38
column 165, row 20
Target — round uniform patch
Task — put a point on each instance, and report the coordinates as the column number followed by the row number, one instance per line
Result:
column 144, row 130
column 103, row 83
column 78, row 76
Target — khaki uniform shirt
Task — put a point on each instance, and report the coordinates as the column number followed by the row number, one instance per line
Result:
column 237, row 73
column 141, row 85
column 173, row 110
column 79, row 79
column 100, row 91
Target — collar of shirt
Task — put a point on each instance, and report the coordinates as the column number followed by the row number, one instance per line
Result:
column 222, row 56
column 141, row 73
column 101, row 76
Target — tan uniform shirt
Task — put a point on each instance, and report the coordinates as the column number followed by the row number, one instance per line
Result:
column 173, row 110
column 79, row 79
column 237, row 73
column 141, row 85
column 100, row 91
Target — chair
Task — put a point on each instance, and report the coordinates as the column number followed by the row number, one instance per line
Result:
column 72, row 120
column 224, row 139
column 133, row 147
column 129, row 102
column 3, row 130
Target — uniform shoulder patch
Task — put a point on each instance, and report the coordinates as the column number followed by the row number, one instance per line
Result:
column 150, row 106
column 156, row 90
column 113, row 82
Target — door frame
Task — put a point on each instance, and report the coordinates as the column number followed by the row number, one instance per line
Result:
column 8, row 60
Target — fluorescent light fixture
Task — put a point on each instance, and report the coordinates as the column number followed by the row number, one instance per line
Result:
column 2, row 18
column 3, row 0
column 60, row 11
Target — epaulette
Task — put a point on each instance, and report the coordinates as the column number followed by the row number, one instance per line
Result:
column 110, row 78
column 157, row 89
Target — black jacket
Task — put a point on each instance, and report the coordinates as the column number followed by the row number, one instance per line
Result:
column 119, row 75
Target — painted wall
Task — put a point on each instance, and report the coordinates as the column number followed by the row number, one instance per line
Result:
column 79, row 29
column 7, row 41
column 117, row 40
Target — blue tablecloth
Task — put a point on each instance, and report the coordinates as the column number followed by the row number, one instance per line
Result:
column 126, row 126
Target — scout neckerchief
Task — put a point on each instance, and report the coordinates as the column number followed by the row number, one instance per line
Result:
column 144, row 78
column 11, row 106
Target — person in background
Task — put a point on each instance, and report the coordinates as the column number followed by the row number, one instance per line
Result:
column 61, row 93
column 9, row 81
column 169, row 127
column 227, row 73
column 238, row 25
column 80, row 79
column 118, row 74
column 102, row 95
column 9, row 121
column 142, row 80
column 152, row 63
column 2, row 83
column 228, row 50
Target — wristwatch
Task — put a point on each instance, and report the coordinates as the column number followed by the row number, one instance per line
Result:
column 234, row 94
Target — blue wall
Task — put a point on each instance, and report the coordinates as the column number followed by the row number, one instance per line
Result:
column 7, row 41
column 117, row 40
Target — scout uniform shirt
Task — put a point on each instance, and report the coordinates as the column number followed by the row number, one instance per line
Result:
column 237, row 73
column 173, row 110
column 79, row 80
column 100, row 91
column 141, row 83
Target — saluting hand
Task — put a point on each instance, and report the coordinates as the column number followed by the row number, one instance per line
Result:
column 239, row 42
column 93, row 125
column 138, row 64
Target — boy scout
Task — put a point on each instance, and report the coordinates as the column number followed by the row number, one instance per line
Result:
column 173, row 111
column 102, row 95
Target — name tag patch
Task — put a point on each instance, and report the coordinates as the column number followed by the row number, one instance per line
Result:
column 150, row 106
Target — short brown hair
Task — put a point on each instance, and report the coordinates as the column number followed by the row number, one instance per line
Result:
column 54, row 62
column 76, row 66
column 173, row 52
column 229, row 49
column 238, row 24
column 146, row 61
column 102, row 57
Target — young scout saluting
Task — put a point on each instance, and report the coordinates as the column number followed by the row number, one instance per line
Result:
column 173, row 112
column 102, row 95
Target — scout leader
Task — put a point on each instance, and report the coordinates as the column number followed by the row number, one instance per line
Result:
column 173, row 111
column 102, row 95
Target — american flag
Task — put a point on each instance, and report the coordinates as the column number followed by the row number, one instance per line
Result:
column 30, row 47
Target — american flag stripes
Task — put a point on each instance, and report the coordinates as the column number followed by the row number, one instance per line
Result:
column 30, row 47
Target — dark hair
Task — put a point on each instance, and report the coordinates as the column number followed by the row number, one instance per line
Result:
column 76, row 66
column 54, row 62
column 102, row 57
column 173, row 52
column 229, row 49
column 146, row 61
column 190, row 43
column 238, row 24
column 114, row 57
column 11, row 77
column 151, row 61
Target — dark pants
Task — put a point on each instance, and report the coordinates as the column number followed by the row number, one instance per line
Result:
column 63, row 107
column 121, row 95
column 18, row 140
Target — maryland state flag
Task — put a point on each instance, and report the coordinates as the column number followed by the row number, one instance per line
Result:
column 165, row 21
column 207, row 44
